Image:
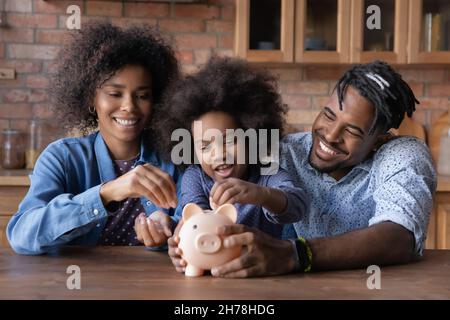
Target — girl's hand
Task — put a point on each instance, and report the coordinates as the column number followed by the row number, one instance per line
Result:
column 233, row 190
column 154, row 230
column 143, row 181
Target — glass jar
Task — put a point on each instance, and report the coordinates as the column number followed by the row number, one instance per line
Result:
column 34, row 144
column 13, row 151
column 444, row 154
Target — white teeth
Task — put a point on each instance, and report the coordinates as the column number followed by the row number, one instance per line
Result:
column 326, row 149
column 224, row 167
column 126, row 122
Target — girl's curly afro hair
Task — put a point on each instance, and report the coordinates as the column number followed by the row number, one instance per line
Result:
column 93, row 55
column 229, row 85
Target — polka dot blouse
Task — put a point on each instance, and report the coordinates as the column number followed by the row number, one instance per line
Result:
column 119, row 229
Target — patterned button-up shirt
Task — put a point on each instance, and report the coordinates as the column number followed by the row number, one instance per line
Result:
column 396, row 184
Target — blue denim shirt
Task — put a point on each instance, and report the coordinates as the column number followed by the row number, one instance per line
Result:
column 63, row 204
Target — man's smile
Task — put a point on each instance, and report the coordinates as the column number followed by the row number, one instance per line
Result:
column 326, row 152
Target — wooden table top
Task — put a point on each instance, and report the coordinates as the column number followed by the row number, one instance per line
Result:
column 135, row 273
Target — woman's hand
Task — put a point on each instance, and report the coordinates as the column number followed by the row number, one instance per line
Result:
column 261, row 254
column 143, row 181
column 154, row 230
column 233, row 190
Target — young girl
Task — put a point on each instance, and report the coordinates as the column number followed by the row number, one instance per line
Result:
column 228, row 94
column 91, row 190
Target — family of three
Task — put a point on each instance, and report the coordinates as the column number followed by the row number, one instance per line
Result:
column 346, row 195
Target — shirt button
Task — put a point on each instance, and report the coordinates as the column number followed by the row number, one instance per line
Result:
column 149, row 203
column 95, row 211
column 98, row 225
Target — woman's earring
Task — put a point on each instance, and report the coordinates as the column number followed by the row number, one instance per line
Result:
column 92, row 110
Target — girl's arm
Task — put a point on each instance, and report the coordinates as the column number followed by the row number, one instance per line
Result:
column 282, row 202
column 273, row 200
column 296, row 199
column 192, row 190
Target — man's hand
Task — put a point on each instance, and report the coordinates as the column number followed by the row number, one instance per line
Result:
column 175, row 252
column 262, row 254
column 154, row 230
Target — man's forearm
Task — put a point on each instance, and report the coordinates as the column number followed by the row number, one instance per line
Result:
column 381, row 244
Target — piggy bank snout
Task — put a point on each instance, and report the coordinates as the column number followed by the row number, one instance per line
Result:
column 208, row 243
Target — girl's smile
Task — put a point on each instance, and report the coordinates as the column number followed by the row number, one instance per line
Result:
column 224, row 170
column 218, row 166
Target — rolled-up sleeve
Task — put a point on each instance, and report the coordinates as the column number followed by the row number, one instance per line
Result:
column 406, row 182
column 297, row 202
column 191, row 191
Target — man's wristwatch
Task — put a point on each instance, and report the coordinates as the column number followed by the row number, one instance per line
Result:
column 297, row 264
column 302, row 255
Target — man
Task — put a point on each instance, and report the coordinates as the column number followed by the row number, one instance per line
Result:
column 370, row 193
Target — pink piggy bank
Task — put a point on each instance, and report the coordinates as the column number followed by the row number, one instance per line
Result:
column 201, row 247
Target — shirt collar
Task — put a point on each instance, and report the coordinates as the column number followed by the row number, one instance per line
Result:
column 308, row 142
column 147, row 155
column 105, row 163
column 366, row 165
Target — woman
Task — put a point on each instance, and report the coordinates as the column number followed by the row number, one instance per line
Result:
column 100, row 188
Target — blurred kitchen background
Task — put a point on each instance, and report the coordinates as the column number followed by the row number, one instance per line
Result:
column 307, row 43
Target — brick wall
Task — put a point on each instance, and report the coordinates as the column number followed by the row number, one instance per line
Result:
column 306, row 89
column 36, row 28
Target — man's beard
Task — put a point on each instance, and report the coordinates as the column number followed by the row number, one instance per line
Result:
column 322, row 170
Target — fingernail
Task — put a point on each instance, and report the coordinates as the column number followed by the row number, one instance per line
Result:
column 214, row 272
column 142, row 220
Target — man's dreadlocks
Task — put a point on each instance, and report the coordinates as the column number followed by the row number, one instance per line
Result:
column 385, row 88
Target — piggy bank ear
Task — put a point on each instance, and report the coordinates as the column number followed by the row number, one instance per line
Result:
column 190, row 210
column 228, row 210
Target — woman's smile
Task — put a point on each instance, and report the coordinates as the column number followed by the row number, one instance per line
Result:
column 127, row 122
